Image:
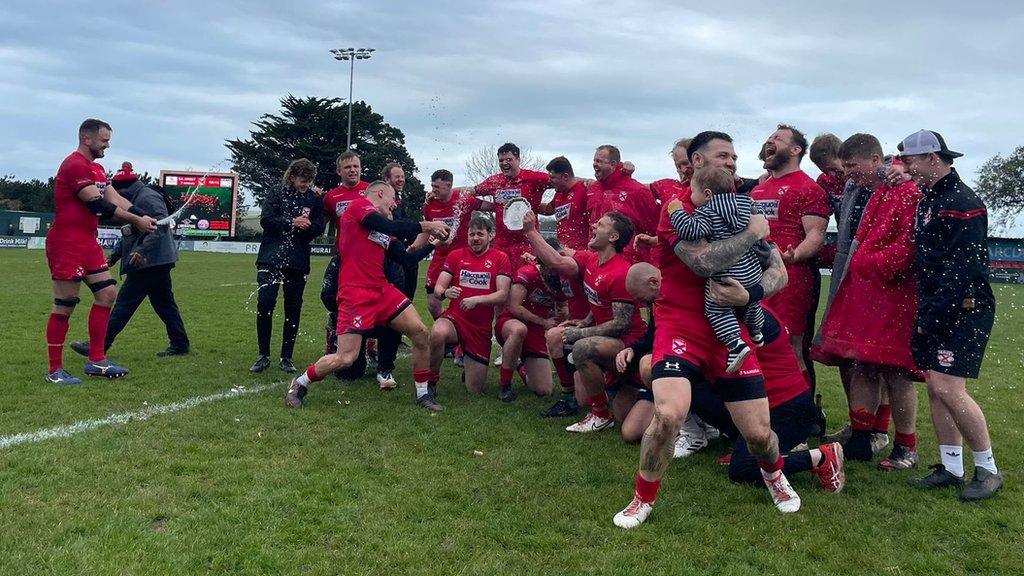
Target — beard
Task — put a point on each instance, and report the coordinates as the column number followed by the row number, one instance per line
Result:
column 781, row 157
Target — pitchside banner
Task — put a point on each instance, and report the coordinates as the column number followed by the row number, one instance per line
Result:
column 214, row 197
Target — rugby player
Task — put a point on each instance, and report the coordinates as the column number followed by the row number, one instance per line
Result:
column 615, row 190
column 568, row 206
column 80, row 197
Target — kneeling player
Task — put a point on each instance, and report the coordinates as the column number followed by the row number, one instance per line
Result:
column 475, row 279
column 366, row 300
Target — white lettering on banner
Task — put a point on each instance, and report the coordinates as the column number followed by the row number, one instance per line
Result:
column 770, row 208
column 379, row 238
column 591, row 295
column 469, row 279
column 562, row 212
column 340, row 208
column 504, row 195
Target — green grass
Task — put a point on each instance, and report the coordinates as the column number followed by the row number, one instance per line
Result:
column 364, row 482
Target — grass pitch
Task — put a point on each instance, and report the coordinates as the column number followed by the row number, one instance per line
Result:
column 364, row 482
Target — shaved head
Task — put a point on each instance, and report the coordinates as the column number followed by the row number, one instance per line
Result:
column 643, row 281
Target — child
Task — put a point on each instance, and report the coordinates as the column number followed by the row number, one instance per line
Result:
column 722, row 213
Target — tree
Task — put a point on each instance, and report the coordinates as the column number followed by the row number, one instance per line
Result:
column 30, row 196
column 1001, row 185
column 314, row 128
column 484, row 163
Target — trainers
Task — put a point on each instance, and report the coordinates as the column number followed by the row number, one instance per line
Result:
column 984, row 485
column 172, row 351
column 261, row 364
column 725, row 459
column 634, row 514
column 497, row 361
column 901, row 458
column 80, row 348
column 786, row 499
column 842, row 435
column 287, row 366
column 939, row 478
column 801, row 447
column 830, row 470
column 879, row 440
column 858, row 447
column 457, row 359
column 506, row 394
column 710, row 432
column 757, row 338
column 296, row 394
column 106, row 369
column 591, row 423
column 690, row 440
column 386, row 380
column 564, row 407
column 734, row 359
column 62, row 376
column 429, row 402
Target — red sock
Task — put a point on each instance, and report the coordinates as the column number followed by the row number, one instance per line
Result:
column 505, row 376
column 56, row 331
column 599, row 406
column 564, row 374
column 882, row 419
column 647, row 490
column 908, row 440
column 99, row 317
column 423, row 376
column 312, row 375
column 771, row 467
column 861, row 420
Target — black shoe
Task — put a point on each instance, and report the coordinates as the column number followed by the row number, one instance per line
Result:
column 507, row 394
column 429, row 402
column 81, row 348
column 984, row 485
column 261, row 364
column 562, row 408
column 939, row 478
column 287, row 366
column 432, row 390
column 173, row 351
column 858, row 447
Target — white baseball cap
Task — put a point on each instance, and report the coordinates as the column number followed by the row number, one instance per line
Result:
column 926, row 142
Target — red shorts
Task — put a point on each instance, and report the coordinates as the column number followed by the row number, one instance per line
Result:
column 700, row 350
column 71, row 259
column 795, row 304
column 362, row 309
column 534, row 346
column 783, row 379
column 474, row 338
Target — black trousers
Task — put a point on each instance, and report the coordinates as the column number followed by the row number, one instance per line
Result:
column 270, row 280
column 329, row 296
column 154, row 283
column 403, row 278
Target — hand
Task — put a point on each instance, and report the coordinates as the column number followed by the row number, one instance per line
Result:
column 136, row 259
column 758, row 226
column 301, row 222
column 729, row 292
column 921, row 330
column 674, row 206
column 468, row 303
column 529, row 221
column 789, row 255
column 145, row 224
column 570, row 335
column 548, row 324
column 435, row 228
column 452, row 292
column 644, row 241
column 529, row 257
column 318, row 190
column 896, row 174
column 569, row 323
column 434, row 241
column 623, row 358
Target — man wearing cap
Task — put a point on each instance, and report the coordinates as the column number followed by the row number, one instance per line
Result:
column 955, row 313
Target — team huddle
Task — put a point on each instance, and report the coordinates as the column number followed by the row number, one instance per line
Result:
column 677, row 310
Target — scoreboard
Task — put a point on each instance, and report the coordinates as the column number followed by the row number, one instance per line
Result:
column 211, row 211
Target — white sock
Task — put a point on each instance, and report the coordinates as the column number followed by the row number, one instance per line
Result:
column 952, row 459
column 421, row 389
column 984, row 459
column 303, row 380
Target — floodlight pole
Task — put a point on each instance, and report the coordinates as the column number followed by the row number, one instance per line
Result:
column 351, row 54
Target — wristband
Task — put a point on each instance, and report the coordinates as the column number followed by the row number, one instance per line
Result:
column 756, row 293
column 133, row 210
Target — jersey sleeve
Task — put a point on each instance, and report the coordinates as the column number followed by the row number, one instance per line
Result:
column 79, row 175
column 525, row 275
column 812, row 201
column 583, row 259
column 617, row 290
column 504, row 266
column 451, row 263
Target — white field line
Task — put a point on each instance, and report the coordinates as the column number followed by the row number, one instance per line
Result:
column 126, row 417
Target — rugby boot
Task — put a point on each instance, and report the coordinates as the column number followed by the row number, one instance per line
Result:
column 62, row 376
column 105, row 368
column 984, row 485
column 939, row 478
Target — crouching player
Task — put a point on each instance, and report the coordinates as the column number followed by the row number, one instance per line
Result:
column 475, row 279
column 366, row 300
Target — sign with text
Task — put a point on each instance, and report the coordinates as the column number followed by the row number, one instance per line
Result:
column 212, row 199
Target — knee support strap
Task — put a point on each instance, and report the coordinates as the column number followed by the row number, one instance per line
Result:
column 102, row 284
column 67, row 302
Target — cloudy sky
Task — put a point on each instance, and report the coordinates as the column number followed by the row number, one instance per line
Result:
column 557, row 76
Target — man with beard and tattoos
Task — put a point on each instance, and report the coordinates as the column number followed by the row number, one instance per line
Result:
column 687, row 352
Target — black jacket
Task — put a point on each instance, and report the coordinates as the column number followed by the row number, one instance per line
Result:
column 283, row 245
column 952, row 254
column 158, row 247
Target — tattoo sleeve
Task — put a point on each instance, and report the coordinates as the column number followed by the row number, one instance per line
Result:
column 622, row 313
column 774, row 278
column 706, row 259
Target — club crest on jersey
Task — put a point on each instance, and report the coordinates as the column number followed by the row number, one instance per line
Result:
column 591, row 294
column 487, row 264
column 357, row 321
column 623, row 195
column 469, row 279
column 678, row 346
column 339, row 209
column 926, row 218
column 379, row 238
column 562, row 212
column 945, row 358
column 505, row 194
column 770, row 208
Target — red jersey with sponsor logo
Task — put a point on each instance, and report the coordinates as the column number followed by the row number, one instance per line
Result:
column 528, row 184
column 337, row 200
column 784, row 201
column 540, row 300
column 72, row 218
column 666, row 189
column 621, row 193
column 606, row 283
column 456, row 213
column 573, row 227
column 365, row 268
column 476, row 276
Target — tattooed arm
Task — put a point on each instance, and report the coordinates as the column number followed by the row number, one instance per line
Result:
column 622, row 314
column 705, row 259
column 729, row 292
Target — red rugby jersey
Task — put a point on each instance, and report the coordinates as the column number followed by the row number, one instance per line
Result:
column 456, row 213
column 72, row 218
column 365, row 268
column 476, row 276
column 606, row 283
column 573, row 227
column 528, row 184
column 784, row 201
column 337, row 200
